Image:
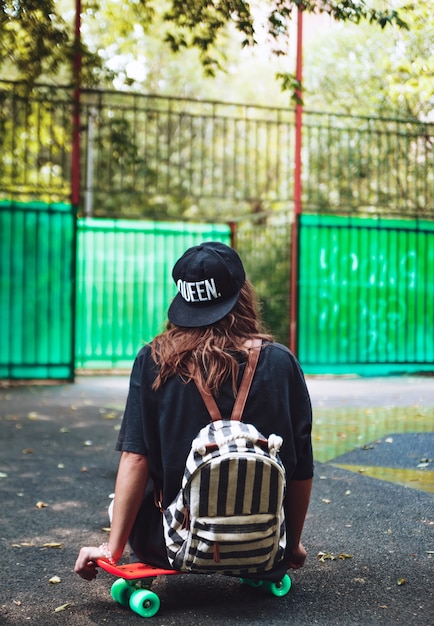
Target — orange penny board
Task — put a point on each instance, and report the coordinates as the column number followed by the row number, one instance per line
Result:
column 134, row 571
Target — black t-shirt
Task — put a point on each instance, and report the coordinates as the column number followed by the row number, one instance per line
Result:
column 162, row 424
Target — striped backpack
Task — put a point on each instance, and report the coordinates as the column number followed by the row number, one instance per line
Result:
column 228, row 516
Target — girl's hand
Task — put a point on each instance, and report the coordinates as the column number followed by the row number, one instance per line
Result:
column 85, row 565
column 298, row 557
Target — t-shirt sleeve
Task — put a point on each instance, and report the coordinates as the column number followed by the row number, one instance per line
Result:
column 301, row 412
column 130, row 437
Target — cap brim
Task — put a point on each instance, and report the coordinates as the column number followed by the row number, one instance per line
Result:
column 182, row 313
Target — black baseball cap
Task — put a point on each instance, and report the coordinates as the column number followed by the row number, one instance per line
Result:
column 209, row 278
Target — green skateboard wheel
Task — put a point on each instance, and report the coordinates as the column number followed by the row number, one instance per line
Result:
column 121, row 591
column 144, row 602
column 280, row 588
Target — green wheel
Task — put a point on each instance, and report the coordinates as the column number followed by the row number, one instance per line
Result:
column 278, row 589
column 144, row 602
column 252, row 583
column 121, row 591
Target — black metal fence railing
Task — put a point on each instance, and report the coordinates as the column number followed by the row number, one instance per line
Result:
column 35, row 143
column 179, row 152
column 368, row 165
column 148, row 156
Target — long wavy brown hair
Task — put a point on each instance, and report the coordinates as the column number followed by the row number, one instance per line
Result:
column 212, row 350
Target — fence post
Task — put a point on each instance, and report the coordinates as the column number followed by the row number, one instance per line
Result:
column 233, row 226
column 294, row 279
column 75, row 153
column 75, row 164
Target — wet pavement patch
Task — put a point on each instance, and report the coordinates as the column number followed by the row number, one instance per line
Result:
column 402, row 458
column 400, row 450
column 341, row 430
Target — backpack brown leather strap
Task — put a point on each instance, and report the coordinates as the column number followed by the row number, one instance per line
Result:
column 246, row 382
column 209, row 401
column 243, row 391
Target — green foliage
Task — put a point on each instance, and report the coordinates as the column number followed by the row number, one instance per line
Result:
column 290, row 84
column 266, row 248
column 354, row 78
column 37, row 42
column 199, row 23
column 34, row 38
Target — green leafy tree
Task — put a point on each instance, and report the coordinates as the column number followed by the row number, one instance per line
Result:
column 34, row 38
column 38, row 44
column 354, row 78
column 199, row 23
column 37, row 41
column 370, row 166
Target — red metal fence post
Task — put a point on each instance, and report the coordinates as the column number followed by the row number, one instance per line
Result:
column 75, row 153
column 75, row 167
column 293, row 331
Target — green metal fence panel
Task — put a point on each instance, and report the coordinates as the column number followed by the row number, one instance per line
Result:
column 124, row 284
column 366, row 295
column 37, row 266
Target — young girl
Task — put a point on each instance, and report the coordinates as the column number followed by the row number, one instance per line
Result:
column 213, row 322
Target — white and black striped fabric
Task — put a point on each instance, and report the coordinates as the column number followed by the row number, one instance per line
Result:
column 228, row 516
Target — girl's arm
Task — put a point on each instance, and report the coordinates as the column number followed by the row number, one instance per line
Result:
column 132, row 477
column 297, row 503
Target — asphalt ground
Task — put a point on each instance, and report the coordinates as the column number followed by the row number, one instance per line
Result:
column 370, row 542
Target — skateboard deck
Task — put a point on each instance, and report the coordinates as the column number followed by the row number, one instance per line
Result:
column 135, row 571
column 132, row 588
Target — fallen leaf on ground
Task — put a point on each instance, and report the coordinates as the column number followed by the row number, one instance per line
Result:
column 110, row 416
column 55, row 580
column 63, row 607
column 401, row 581
column 41, row 505
column 328, row 556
